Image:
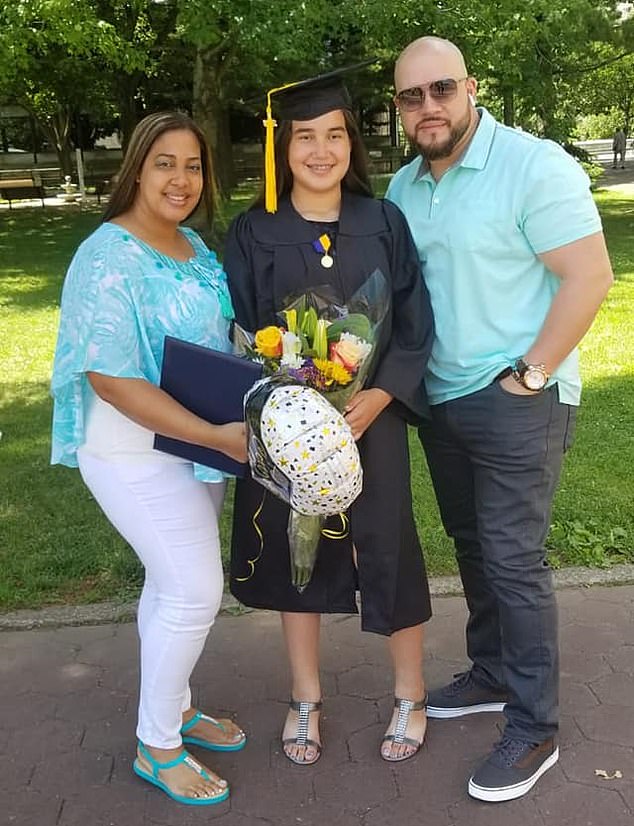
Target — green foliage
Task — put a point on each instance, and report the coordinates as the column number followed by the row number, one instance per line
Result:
column 257, row 45
column 593, row 171
column 598, row 126
column 355, row 323
column 609, row 89
column 62, row 57
column 589, row 543
column 539, row 63
column 529, row 52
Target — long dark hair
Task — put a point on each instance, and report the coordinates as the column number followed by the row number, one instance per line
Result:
column 145, row 134
column 356, row 179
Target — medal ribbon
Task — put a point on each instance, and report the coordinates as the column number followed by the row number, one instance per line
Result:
column 323, row 244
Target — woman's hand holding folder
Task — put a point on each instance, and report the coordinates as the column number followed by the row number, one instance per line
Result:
column 233, row 441
column 156, row 410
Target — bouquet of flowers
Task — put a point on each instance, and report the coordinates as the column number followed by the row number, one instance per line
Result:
column 300, row 445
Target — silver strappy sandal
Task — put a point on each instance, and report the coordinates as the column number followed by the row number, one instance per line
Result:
column 303, row 710
column 405, row 708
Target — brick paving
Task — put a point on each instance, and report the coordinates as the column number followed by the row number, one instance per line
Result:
column 68, row 715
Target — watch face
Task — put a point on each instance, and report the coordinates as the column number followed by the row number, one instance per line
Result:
column 534, row 379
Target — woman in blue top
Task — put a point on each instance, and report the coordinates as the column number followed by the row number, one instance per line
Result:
column 139, row 277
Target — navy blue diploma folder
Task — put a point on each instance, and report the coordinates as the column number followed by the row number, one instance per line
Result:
column 212, row 385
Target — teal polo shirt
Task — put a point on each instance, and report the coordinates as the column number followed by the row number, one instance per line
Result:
column 478, row 231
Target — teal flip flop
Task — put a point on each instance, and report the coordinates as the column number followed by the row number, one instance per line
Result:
column 186, row 758
column 206, row 744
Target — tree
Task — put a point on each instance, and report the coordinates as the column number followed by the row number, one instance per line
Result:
column 534, row 52
column 56, row 56
column 610, row 86
column 525, row 52
column 245, row 47
column 148, row 70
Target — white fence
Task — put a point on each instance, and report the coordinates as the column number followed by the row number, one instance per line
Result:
column 601, row 150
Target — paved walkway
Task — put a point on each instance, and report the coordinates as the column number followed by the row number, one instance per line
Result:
column 621, row 180
column 68, row 714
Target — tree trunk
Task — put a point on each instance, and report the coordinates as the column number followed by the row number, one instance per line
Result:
column 128, row 108
column 547, row 105
column 211, row 114
column 509, row 106
column 57, row 129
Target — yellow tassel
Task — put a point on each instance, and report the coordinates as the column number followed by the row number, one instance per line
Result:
column 270, row 184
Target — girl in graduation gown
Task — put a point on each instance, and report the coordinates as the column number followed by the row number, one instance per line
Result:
column 323, row 189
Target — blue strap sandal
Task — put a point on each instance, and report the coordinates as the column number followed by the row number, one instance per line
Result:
column 207, row 744
column 189, row 761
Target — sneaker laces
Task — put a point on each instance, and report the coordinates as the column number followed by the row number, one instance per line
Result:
column 460, row 681
column 508, row 751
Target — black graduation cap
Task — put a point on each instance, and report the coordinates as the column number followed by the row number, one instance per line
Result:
column 302, row 100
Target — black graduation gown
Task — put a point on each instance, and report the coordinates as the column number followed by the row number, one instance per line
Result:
column 269, row 257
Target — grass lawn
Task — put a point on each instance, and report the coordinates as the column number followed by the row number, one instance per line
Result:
column 55, row 546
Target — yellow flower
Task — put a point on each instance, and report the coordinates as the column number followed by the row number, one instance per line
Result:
column 333, row 372
column 268, row 342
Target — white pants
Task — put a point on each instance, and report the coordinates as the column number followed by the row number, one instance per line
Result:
column 171, row 521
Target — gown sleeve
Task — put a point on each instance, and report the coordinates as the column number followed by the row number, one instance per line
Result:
column 401, row 370
column 238, row 265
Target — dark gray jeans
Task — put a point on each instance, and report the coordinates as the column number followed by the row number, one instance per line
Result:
column 495, row 459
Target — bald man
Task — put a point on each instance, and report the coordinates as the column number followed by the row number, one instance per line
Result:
column 513, row 256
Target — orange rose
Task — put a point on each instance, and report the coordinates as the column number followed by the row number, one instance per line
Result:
column 268, row 342
column 347, row 353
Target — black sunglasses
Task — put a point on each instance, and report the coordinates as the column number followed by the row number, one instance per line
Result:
column 409, row 100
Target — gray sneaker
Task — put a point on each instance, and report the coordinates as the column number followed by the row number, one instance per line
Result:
column 464, row 695
column 512, row 769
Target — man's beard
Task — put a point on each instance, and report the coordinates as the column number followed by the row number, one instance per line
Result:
column 436, row 151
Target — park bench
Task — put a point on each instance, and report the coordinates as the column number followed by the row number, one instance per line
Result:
column 19, row 188
column 49, row 179
column 100, row 184
column 21, row 184
column 385, row 160
column 24, row 184
column 100, row 174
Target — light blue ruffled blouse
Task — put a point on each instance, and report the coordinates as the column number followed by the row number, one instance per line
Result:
column 120, row 299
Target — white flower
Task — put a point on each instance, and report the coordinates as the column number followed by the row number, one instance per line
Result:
column 291, row 349
column 365, row 348
column 291, row 360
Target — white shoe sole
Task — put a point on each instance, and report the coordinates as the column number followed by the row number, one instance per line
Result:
column 512, row 792
column 447, row 713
